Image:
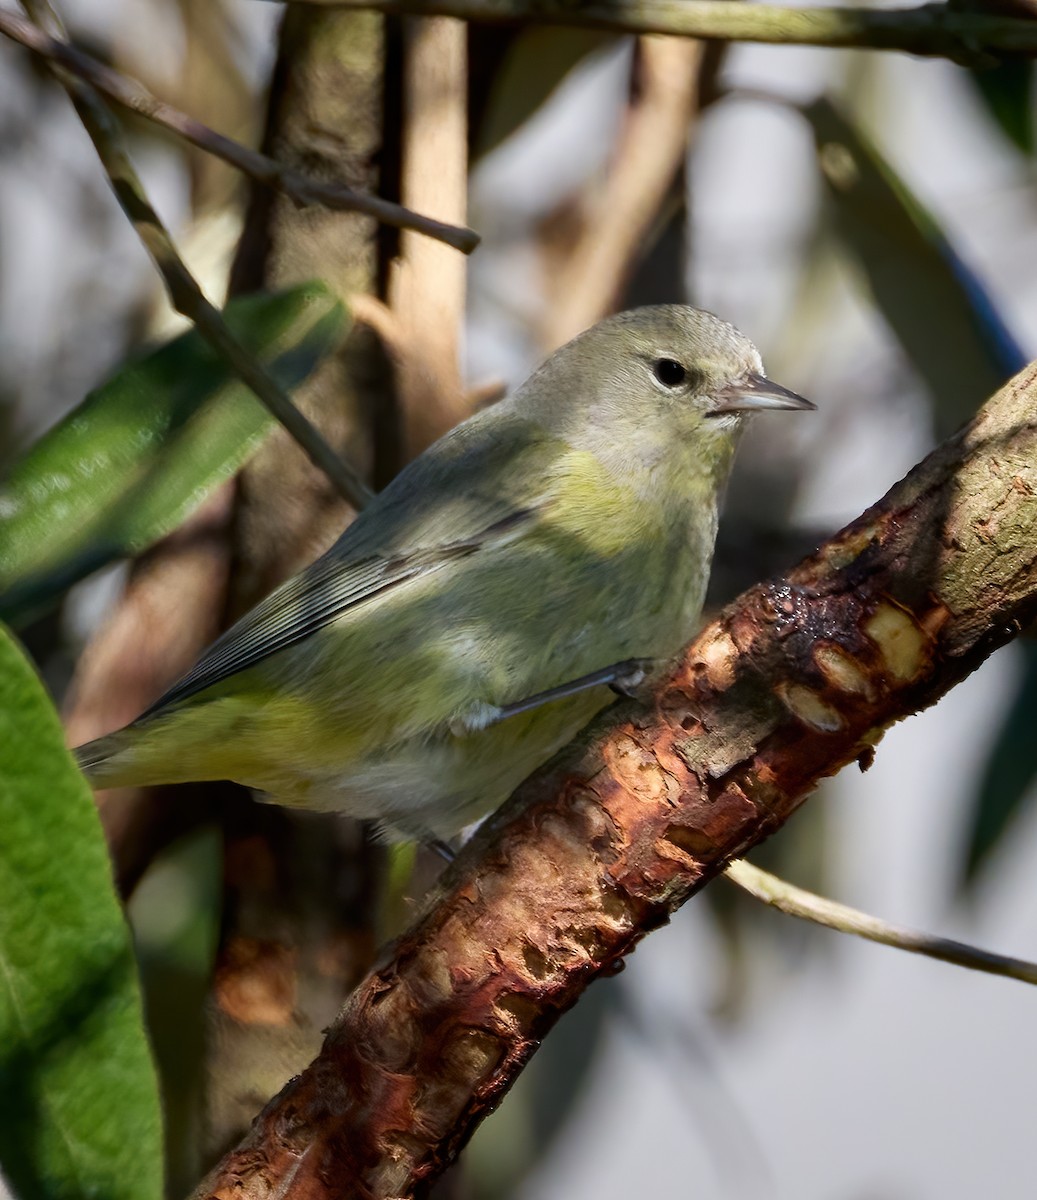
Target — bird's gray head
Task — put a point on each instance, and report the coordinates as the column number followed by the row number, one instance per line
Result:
column 676, row 366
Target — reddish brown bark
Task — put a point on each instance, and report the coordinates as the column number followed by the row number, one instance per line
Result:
column 797, row 678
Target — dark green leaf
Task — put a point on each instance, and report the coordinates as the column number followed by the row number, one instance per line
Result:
column 1007, row 92
column 939, row 311
column 79, row 1111
column 142, row 452
column 1010, row 769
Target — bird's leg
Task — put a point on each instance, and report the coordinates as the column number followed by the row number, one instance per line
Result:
column 622, row 677
column 443, row 849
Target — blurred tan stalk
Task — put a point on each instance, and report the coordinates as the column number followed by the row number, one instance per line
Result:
column 614, row 219
column 427, row 289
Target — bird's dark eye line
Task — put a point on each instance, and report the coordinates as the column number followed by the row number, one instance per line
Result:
column 669, row 372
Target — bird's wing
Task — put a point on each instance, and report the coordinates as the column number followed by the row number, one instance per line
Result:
column 481, row 484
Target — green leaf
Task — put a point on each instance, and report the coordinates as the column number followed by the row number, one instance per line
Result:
column 937, row 308
column 79, row 1110
column 1007, row 92
column 141, row 453
column 1008, row 774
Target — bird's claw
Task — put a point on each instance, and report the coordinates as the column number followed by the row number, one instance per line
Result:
column 630, row 675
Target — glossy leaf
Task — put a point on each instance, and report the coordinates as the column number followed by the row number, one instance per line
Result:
column 79, row 1110
column 936, row 306
column 142, row 451
column 1009, row 772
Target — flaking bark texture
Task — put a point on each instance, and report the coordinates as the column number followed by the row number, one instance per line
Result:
column 798, row 677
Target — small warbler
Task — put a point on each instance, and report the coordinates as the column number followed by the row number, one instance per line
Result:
column 468, row 623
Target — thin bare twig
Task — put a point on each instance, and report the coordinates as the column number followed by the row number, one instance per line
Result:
column 184, row 293
column 937, row 30
column 131, row 94
column 809, row 906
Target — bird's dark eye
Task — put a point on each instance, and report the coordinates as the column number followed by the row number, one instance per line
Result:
column 669, row 372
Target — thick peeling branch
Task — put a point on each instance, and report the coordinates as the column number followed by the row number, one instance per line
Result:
column 797, row 678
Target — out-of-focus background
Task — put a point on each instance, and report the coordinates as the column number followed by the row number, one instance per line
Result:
column 870, row 220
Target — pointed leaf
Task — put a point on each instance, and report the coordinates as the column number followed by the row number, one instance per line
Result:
column 79, row 1110
column 142, row 451
column 1007, row 92
column 938, row 309
column 1009, row 772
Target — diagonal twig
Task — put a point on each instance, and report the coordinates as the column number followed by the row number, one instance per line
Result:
column 808, row 906
column 184, row 293
column 132, row 95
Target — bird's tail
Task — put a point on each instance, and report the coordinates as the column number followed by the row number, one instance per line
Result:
column 99, row 760
column 215, row 739
column 193, row 742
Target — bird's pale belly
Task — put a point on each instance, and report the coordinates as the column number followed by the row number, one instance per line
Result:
column 429, row 788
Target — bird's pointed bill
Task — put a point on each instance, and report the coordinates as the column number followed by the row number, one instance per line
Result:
column 754, row 393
